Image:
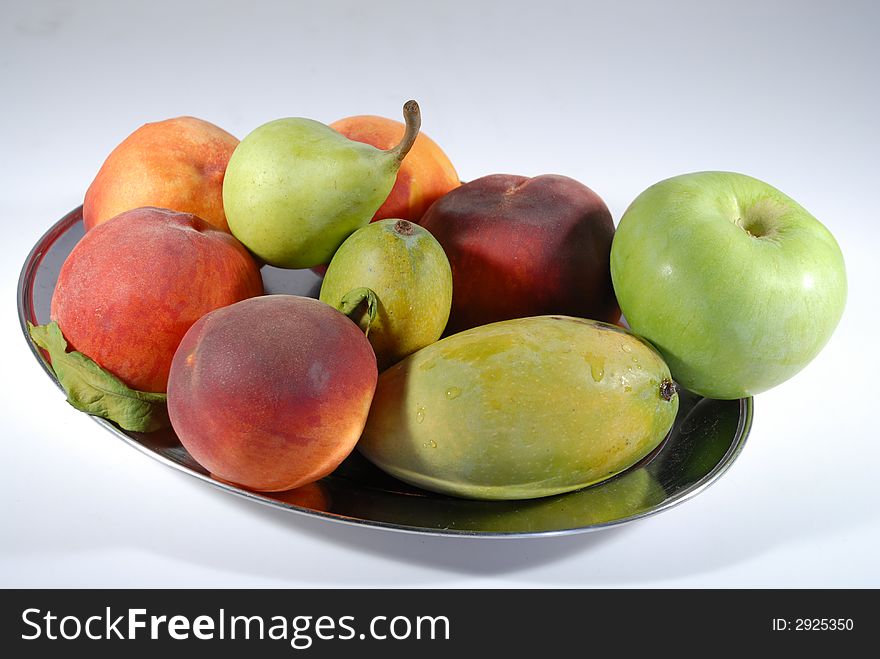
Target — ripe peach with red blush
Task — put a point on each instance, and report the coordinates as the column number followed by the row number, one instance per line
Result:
column 272, row 393
column 133, row 286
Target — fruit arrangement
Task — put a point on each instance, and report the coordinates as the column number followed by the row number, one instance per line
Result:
column 497, row 339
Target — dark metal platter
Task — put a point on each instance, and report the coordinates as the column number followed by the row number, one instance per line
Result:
column 707, row 437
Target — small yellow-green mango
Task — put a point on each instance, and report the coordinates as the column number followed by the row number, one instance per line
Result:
column 521, row 409
column 393, row 278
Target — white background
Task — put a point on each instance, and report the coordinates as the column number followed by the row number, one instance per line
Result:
column 616, row 95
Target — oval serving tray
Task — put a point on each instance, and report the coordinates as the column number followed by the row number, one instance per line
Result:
column 707, row 437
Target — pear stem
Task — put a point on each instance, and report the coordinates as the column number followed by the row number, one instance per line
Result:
column 361, row 305
column 413, row 119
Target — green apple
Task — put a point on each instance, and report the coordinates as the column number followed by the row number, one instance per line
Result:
column 734, row 282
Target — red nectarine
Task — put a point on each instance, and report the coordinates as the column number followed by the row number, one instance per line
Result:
column 522, row 247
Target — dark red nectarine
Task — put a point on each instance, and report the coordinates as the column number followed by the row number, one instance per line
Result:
column 273, row 392
column 522, row 247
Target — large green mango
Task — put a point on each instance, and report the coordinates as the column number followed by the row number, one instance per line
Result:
column 520, row 409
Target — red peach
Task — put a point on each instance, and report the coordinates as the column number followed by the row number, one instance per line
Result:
column 313, row 496
column 133, row 286
column 271, row 393
column 177, row 164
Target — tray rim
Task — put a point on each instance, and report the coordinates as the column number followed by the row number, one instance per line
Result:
column 25, row 312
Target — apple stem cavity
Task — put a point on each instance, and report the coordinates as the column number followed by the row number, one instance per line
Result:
column 755, row 228
column 361, row 305
column 412, row 116
column 761, row 219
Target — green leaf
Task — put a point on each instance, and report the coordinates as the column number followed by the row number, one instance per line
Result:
column 93, row 390
column 361, row 305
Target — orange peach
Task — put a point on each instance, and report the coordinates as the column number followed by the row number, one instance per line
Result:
column 177, row 164
column 133, row 286
column 425, row 175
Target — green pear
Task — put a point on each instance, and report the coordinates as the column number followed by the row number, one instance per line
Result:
column 295, row 189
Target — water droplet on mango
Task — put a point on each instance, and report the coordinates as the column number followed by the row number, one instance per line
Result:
column 453, row 392
column 597, row 366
